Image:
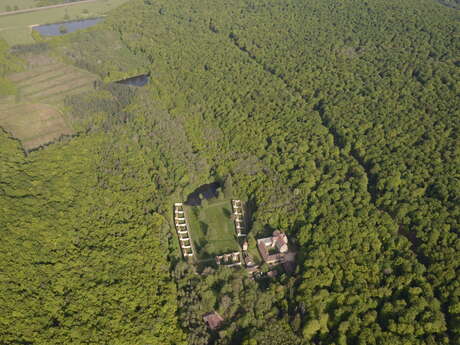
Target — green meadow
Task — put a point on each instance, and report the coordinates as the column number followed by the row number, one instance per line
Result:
column 212, row 229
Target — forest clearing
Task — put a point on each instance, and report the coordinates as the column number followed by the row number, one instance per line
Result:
column 34, row 124
column 213, row 231
column 34, row 115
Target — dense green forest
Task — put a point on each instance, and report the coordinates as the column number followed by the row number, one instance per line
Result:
column 336, row 121
column 82, row 254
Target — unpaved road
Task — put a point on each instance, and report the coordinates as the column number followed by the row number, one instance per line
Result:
column 34, row 9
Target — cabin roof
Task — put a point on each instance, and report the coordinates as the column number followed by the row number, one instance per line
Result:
column 213, row 319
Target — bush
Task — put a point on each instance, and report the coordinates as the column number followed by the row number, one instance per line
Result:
column 62, row 29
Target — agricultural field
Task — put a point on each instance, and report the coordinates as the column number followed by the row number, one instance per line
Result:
column 33, row 115
column 212, row 229
column 9, row 5
column 16, row 28
column 34, row 124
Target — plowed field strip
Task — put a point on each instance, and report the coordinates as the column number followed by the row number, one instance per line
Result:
column 58, row 97
column 65, row 79
column 62, row 87
column 43, row 77
column 21, row 76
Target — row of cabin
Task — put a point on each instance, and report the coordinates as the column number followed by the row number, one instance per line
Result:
column 238, row 216
column 182, row 230
column 230, row 259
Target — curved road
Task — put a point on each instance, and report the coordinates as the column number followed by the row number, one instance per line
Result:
column 44, row 7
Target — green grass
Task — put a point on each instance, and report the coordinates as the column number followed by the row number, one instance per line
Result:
column 16, row 29
column 212, row 229
column 21, row 4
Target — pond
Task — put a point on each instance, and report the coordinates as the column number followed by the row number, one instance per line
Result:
column 139, row 80
column 208, row 191
column 60, row 29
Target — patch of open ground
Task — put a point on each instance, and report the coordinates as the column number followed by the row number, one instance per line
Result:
column 212, row 229
column 34, row 124
column 34, row 116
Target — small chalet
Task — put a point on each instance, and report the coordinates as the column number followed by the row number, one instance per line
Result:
column 213, row 320
column 273, row 249
column 230, row 259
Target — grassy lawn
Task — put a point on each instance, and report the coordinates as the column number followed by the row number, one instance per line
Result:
column 212, row 229
column 15, row 29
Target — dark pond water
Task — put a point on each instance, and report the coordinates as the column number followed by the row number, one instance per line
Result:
column 139, row 80
column 208, row 191
column 72, row 26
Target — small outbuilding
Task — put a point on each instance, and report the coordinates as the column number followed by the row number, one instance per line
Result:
column 213, row 320
column 272, row 274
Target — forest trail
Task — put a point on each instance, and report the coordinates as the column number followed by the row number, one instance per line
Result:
column 35, row 9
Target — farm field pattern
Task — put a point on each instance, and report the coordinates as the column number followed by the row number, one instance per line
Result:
column 34, row 115
column 16, row 28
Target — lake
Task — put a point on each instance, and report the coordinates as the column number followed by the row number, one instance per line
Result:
column 139, row 80
column 72, row 26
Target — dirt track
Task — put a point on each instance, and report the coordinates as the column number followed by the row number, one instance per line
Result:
column 35, row 9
